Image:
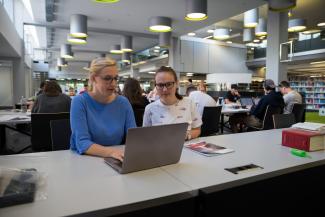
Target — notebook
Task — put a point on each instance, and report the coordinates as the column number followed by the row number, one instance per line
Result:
column 150, row 147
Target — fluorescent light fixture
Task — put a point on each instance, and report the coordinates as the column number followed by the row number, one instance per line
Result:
column 321, row 24
column 116, row 49
column 191, row 34
column 296, row 25
column 251, row 45
column 75, row 40
column 318, row 62
column 221, row 34
column 251, row 18
column 66, row 51
column 189, row 74
column 208, row 37
column 78, row 25
column 210, row 31
column 256, row 40
column 311, row 31
column 157, row 51
column 160, row 24
column 196, row 10
column 151, row 72
column 229, row 42
column 157, row 47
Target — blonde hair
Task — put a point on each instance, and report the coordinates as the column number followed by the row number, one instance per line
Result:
column 98, row 65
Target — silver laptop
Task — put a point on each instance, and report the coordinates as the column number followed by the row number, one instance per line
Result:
column 150, row 147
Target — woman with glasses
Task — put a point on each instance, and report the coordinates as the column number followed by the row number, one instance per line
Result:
column 100, row 118
column 172, row 107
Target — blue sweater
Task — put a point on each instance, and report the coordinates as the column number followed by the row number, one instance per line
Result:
column 94, row 122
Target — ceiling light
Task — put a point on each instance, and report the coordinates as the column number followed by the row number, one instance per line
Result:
column 191, row 34
column 256, row 40
column 116, row 49
column 281, row 5
column 196, row 10
column 66, row 51
column 248, row 35
column 260, row 29
column 210, row 31
column 311, row 31
column 229, row 42
column 290, row 13
column 208, row 37
column 126, row 43
column 106, row 1
column 221, row 34
column 160, row 24
column 189, row 74
column 152, row 72
column 74, row 40
column 251, row 45
column 252, row 48
column 157, row 47
column 321, row 24
column 319, row 62
column 296, row 25
column 251, row 18
column 156, row 51
column 126, row 58
column 78, row 25
column 164, row 39
column 62, row 62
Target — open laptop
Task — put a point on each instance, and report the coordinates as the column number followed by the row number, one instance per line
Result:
column 247, row 101
column 150, row 147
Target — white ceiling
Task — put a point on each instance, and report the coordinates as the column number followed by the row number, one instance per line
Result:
column 130, row 16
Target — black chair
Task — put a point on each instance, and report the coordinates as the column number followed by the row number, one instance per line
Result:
column 211, row 119
column 41, row 130
column 138, row 115
column 60, row 134
column 283, row 120
column 267, row 123
column 299, row 110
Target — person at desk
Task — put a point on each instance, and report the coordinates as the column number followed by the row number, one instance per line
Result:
column 271, row 98
column 235, row 120
column 201, row 99
column 133, row 92
column 290, row 96
column 100, row 118
column 233, row 95
column 172, row 107
column 52, row 100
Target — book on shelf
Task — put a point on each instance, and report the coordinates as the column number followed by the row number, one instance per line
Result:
column 303, row 139
column 208, row 149
column 310, row 126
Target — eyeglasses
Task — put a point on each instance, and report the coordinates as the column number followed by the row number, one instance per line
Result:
column 168, row 85
column 109, row 79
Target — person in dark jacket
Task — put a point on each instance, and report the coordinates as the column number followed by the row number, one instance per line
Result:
column 271, row 98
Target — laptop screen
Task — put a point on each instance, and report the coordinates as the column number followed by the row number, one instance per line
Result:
column 246, row 101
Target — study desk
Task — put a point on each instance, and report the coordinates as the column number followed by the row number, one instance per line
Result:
column 86, row 186
column 228, row 110
column 8, row 118
column 288, row 178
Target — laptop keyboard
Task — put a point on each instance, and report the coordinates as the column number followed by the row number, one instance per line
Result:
column 113, row 162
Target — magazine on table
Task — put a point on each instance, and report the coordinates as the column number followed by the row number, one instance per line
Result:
column 208, row 149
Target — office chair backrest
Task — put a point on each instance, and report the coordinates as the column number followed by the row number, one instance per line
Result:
column 211, row 119
column 299, row 111
column 60, row 134
column 41, row 130
column 268, row 117
column 283, row 120
column 138, row 115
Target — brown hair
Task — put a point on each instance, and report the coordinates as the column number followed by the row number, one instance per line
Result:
column 132, row 90
column 98, row 65
column 170, row 70
column 52, row 88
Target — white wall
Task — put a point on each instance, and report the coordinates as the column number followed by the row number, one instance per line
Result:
column 6, row 87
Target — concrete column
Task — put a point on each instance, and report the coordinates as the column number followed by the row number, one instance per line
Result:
column 277, row 29
column 134, row 73
column 174, row 55
column 18, row 79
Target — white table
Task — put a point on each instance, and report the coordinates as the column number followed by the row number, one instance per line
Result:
column 228, row 110
column 80, row 184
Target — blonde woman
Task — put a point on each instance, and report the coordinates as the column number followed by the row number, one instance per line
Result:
column 100, row 118
column 171, row 107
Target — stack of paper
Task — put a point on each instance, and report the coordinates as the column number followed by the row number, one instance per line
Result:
column 310, row 126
